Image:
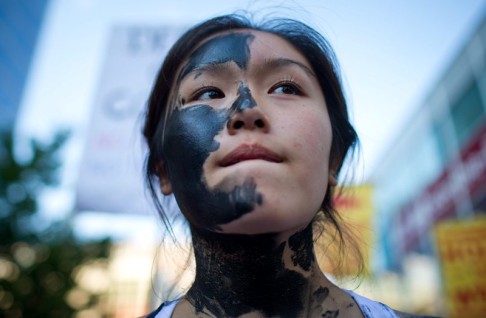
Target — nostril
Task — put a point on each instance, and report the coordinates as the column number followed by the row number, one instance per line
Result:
column 238, row 124
column 259, row 123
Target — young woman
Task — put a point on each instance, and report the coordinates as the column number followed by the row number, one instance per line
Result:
column 247, row 126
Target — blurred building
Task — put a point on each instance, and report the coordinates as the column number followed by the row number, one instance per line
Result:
column 20, row 22
column 436, row 168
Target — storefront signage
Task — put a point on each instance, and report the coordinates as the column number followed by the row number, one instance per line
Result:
column 462, row 252
column 466, row 176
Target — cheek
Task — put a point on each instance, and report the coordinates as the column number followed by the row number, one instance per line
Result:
column 313, row 136
column 189, row 136
column 189, row 141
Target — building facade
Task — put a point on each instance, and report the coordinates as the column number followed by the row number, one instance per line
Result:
column 436, row 169
column 20, row 23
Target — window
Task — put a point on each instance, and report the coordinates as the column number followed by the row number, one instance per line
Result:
column 467, row 113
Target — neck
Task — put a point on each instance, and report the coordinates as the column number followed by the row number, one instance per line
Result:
column 240, row 274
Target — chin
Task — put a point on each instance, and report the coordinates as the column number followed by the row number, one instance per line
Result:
column 263, row 221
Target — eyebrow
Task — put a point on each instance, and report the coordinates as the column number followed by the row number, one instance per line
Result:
column 267, row 66
column 271, row 64
column 213, row 68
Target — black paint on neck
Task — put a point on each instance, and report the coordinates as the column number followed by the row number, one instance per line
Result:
column 302, row 245
column 238, row 274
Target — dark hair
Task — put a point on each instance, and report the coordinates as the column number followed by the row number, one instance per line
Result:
column 305, row 39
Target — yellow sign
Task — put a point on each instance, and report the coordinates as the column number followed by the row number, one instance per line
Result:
column 355, row 206
column 462, row 250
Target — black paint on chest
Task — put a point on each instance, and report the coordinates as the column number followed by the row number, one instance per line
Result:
column 331, row 314
column 320, row 294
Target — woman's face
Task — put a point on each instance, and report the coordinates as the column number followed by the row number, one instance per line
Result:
column 247, row 146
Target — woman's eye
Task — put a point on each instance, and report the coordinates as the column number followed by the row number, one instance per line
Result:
column 207, row 94
column 286, row 89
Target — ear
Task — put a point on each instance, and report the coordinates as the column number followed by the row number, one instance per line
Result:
column 334, row 167
column 332, row 178
column 164, row 180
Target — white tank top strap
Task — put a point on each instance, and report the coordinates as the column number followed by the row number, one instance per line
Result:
column 167, row 310
column 371, row 308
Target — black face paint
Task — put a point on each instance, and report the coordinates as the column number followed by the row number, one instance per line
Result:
column 244, row 100
column 189, row 140
column 233, row 47
column 235, row 274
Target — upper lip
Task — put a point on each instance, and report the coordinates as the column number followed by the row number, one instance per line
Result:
column 249, row 152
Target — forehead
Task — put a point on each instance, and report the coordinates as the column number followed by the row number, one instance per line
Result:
column 274, row 46
column 244, row 48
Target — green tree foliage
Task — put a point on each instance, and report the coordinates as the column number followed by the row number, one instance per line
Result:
column 40, row 267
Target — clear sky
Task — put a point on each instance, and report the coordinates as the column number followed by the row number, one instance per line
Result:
column 391, row 52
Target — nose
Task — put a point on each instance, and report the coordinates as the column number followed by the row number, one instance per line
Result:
column 248, row 119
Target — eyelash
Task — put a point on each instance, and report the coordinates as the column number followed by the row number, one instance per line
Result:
column 196, row 95
column 205, row 88
column 289, row 82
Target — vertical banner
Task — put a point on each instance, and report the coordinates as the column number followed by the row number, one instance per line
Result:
column 111, row 173
column 355, row 206
column 462, row 251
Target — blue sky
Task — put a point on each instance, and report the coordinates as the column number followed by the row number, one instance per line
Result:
column 391, row 53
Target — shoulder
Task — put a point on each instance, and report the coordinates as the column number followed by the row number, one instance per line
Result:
column 372, row 309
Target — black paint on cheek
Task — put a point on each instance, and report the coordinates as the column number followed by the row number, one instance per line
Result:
column 233, row 47
column 243, row 101
column 189, row 139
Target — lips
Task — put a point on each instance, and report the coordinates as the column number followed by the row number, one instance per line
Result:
column 249, row 152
